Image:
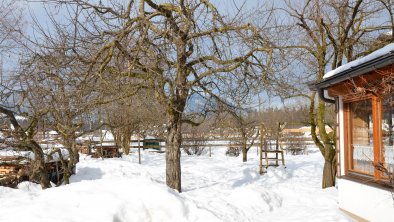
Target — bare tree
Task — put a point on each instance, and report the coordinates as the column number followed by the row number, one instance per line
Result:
column 11, row 24
column 181, row 49
column 139, row 115
column 388, row 6
column 245, row 130
column 19, row 137
column 336, row 31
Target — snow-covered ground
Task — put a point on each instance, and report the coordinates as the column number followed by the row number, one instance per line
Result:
column 217, row 188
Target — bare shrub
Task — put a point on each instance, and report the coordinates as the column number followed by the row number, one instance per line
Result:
column 196, row 142
column 233, row 150
column 195, row 147
column 389, row 174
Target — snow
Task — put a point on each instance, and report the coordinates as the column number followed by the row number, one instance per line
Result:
column 380, row 52
column 217, row 188
column 107, row 136
column 28, row 155
column 150, row 138
column 17, row 117
column 52, row 132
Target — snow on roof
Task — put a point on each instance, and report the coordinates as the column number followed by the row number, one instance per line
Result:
column 20, row 118
column 17, row 117
column 5, row 154
column 52, row 132
column 385, row 50
column 107, row 135
column 28, row 155
column 150, row 137
column 136, row 137
column 106, row 144
column 104, row 135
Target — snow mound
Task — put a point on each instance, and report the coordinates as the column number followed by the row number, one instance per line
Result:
column 104, row 200
column 217, row 188
column 29, row 186
column 252, row 201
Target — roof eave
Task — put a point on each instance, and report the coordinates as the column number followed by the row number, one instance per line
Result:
column 358, row 70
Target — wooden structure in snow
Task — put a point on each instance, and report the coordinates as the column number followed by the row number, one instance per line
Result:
column 151, row 143
column 363, row 91
column 106, row 150
column 15, row 169
column 268, row 156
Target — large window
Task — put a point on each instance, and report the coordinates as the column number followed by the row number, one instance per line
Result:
column 361, row 137
column 387, row 131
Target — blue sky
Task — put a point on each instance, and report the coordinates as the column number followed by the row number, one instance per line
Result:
column 37, row 10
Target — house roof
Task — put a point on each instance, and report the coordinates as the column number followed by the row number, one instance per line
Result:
column 377, row 59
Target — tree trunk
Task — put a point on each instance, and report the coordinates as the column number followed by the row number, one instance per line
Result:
column 72, row 149
column 75, row 156
column 173, row 154
column 329, row 170
column 68, row 170
column 244, row 147
column 244, row 150
column 39, row 172
column 324, row 143
column 244, row 154
column 328, row 174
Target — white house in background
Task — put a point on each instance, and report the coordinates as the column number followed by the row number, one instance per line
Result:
column 363, row 91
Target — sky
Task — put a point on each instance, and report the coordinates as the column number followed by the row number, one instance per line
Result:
column 35, row 10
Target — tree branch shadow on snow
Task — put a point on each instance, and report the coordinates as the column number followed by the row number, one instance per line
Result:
column 312, row 151
column 199, row 187
column 87, row 173
column 249, row 177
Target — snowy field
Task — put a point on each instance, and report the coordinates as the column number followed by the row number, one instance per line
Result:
column 217, row 188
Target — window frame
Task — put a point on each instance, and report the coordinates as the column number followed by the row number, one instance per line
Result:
column 377, row 136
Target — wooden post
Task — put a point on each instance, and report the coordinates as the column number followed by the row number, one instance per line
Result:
column 377, row 133
column 266, row 154
column 57, row 172
column 261, row 149
column 277, row 145
column 139, row 151
column 210, row 154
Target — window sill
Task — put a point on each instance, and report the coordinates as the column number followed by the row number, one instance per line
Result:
column 367, row 180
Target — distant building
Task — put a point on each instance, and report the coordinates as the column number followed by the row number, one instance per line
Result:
column 304, row 130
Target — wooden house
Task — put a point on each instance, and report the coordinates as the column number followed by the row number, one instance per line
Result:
column 13, row 170
column 106, row 150
column 151, row 142
column 363, row 91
